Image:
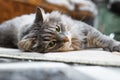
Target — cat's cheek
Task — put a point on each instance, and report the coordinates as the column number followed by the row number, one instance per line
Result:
column 26, row 45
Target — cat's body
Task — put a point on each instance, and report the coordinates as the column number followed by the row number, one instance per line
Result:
column 11, row 30
column 52, row 32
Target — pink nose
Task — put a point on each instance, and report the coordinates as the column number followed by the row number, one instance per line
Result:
column 66, row 39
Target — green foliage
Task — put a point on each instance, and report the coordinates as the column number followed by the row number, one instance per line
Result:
column 109, row 22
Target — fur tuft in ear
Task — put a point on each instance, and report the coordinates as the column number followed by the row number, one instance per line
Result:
column 39, row 15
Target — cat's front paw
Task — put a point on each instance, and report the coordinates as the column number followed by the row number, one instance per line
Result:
column 115, row 47
column 26, row 44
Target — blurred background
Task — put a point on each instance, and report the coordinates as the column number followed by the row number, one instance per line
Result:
column 101, row 14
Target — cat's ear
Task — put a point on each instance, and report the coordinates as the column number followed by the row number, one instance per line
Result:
column 39, row 15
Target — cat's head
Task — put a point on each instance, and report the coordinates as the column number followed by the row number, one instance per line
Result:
column 47, row 34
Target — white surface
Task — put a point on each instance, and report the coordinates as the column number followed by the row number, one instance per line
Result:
column 95, row 57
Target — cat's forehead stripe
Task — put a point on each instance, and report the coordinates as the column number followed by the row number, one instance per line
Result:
column 47, row 36
column 47, row 39
column 49, row 29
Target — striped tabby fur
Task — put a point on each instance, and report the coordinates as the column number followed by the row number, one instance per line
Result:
column 52, row 32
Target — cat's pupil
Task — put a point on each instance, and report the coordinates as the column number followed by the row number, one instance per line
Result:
column 52, row 43
column 58, row 28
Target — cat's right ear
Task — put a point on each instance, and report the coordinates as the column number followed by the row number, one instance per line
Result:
column 39, row 15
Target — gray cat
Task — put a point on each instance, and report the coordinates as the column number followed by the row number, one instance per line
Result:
column 52, row 32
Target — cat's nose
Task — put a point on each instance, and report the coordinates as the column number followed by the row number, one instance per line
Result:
column 66, row 39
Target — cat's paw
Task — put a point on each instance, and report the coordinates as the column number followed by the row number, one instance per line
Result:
column 26, row 44
column 115, row 47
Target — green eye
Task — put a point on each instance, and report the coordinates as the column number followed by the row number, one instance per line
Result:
column 52, row 44
column 58, row 28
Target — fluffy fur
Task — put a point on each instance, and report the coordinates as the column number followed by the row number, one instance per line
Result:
column 51, row 32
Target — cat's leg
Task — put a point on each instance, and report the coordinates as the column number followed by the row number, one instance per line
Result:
column 97, row 39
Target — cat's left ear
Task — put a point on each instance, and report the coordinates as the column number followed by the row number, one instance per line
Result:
column 39, row 15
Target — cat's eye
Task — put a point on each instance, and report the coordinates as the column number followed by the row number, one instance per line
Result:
column 58, row 28
column 52, row 44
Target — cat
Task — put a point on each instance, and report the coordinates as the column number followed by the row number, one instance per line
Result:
column 52, row 32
